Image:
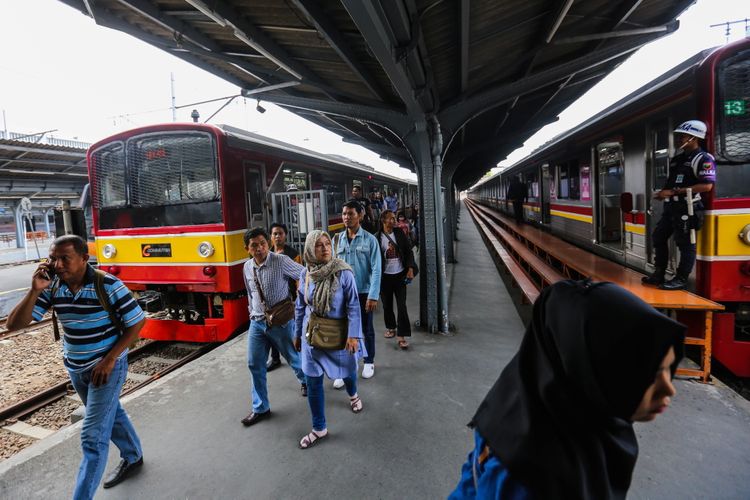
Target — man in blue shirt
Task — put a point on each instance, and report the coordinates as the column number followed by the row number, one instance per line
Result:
column 95, row 354
column 267, row 275
column 361, row 251
column 391, row 202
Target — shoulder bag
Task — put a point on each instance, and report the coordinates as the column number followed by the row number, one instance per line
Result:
column 279, row 314
column 328, row 334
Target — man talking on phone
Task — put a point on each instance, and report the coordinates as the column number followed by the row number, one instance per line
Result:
column 94, row 353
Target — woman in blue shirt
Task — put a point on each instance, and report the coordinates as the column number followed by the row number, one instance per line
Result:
column 558, row 423
column 327, row 287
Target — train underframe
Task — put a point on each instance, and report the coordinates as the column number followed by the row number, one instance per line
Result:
column 191, row 316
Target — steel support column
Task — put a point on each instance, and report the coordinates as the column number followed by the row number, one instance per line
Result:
column 450, row 218
column 433, row 310
column 20, row 227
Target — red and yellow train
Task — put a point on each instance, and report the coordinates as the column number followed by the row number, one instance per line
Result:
column 580, row 184
column 171, row 204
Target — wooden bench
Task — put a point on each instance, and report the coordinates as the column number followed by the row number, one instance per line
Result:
column 525, row 256
column 578, row 263
column 529, row 290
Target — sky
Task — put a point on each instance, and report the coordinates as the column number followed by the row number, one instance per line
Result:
column 60, row 71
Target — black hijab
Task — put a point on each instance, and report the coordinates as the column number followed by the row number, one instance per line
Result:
column 559, row 415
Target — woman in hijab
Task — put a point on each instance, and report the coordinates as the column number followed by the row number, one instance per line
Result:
column 558, row 423
column 328, row 289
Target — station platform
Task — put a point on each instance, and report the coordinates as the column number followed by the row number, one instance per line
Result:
column 409, row 442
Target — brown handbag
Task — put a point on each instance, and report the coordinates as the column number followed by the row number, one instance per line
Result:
column 328, row 334
column 281, row 313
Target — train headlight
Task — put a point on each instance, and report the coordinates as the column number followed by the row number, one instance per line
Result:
column 205, row 249
column 109, row 251
column 745, row 235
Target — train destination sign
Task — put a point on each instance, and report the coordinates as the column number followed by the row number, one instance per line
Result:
column 735, row 107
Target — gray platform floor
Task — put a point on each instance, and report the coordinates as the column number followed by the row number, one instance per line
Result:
column 409, row 442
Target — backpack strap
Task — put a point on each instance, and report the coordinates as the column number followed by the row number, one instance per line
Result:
column 103, row 297
column 55, row 325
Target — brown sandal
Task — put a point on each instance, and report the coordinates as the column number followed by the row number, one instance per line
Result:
column 389, row 334
column 403, row 345
column 311, row 439
column 356, row 404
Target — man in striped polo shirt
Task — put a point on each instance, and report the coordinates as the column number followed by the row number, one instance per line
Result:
column 95, row 354
column 272, row 271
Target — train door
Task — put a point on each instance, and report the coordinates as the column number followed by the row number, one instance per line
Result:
column 547, row 182
column 610, row 184
column 656, row 175
column 254, row 184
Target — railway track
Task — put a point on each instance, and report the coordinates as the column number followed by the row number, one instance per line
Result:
column 54, row 407
column 31, row 328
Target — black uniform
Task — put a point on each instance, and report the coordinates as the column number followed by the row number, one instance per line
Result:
column 517, row 193
column 685, row 170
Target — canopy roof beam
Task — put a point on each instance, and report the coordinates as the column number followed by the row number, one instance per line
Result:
column 615, row 34
column 324, row 26
column 392, row 46
column 456, row 115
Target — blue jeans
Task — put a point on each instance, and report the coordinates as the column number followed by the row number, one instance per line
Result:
column 368, row 328
column 260, row 339
column 105, row 419
column 316, row 398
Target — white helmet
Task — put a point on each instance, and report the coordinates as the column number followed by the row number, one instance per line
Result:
column 695, row 128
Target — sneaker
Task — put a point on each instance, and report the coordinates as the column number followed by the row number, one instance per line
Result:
column 654, row 279
column 338, row 383
column 368, row 370
column 676, row 283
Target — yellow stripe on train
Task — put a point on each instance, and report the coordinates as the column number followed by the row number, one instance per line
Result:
column 635, row 228
column 720, row 235
column 183, row 248
column 572, row 216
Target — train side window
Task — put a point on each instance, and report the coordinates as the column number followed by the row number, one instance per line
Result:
column 336, row 196
column 574, row 180
column 661, row 157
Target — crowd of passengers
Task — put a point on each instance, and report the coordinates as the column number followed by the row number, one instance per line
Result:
column 558, row 423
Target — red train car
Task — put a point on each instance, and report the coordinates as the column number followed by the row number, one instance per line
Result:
column 171, row 204
column 576, row 182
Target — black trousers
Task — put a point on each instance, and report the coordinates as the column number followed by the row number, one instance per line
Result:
column 518, row 210
column 671, row 224
column 392, row 285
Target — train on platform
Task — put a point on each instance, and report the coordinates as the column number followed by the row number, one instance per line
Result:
column 593, row 185
column 171, row 203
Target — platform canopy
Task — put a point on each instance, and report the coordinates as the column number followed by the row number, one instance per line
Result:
column 46, row 170
column 492, row 72
column 445, row 87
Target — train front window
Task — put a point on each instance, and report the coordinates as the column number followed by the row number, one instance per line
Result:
column 166, row 169
column 732, row 138
column 108, row 166
column 733, row 109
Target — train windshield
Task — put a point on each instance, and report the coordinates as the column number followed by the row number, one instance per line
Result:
column 173, row 168
column 733, row 127
column 158, row 179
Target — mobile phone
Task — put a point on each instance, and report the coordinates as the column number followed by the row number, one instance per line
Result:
column 48, row 272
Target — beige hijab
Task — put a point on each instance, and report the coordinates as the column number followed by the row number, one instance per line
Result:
column 325, row 275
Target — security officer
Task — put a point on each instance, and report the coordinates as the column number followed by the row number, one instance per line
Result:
column 693, row 168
